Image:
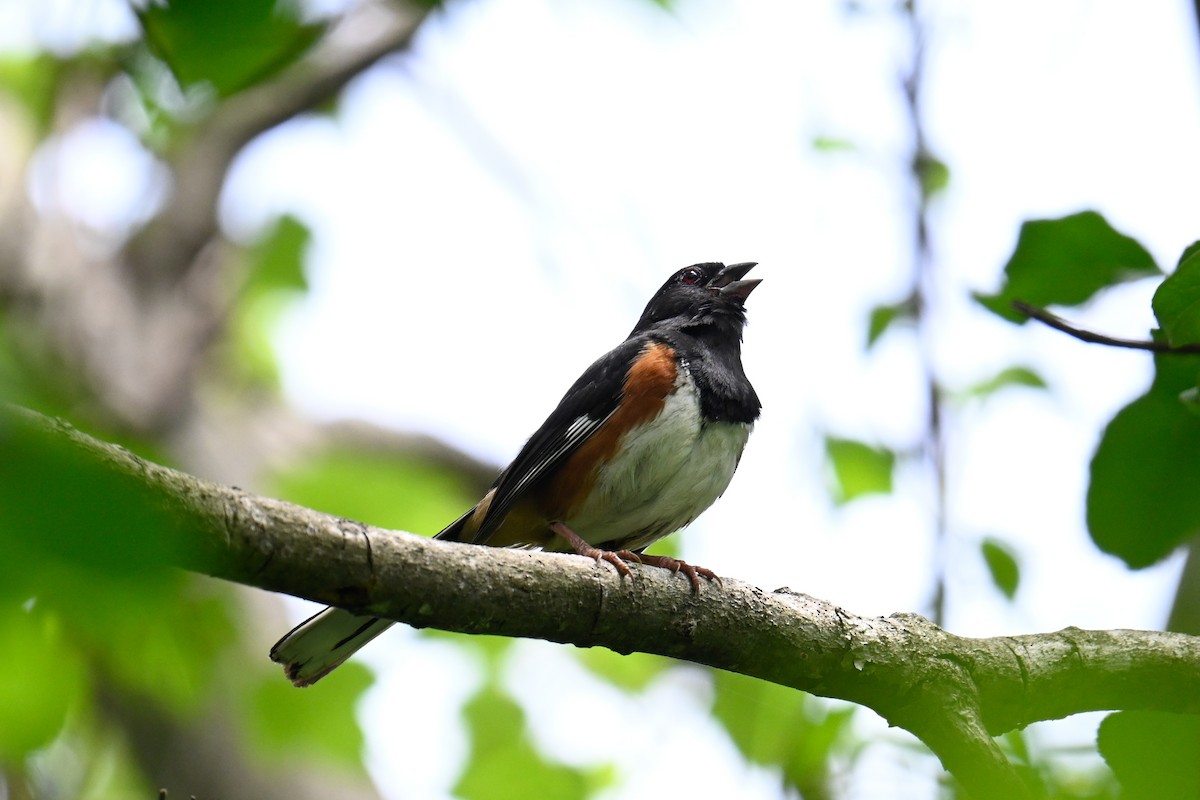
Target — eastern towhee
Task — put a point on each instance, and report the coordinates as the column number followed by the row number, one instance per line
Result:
column 640, row 445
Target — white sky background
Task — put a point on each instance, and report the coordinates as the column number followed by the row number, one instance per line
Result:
column 503, row 201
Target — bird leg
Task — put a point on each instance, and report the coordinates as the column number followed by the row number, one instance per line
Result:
column 615, row 557
column 618, row 557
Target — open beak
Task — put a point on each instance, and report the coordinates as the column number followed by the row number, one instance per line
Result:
column 729, row 281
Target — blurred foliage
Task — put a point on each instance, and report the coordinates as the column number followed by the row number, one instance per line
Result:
column 226, row 44
column 40, row 686
column 54, row 505
column 858, row 469
column 933, row 174
column 279, row 720
column 801, row 736
column 633, row 672
column 33, row 82
column 883, row 317
column 275, row 281
column 1153, row 754
column 379, row 488
column 504, row 763
column 1007, row 378
column 1050, row 774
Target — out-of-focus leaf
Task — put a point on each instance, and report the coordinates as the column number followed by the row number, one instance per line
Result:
column 230, row 44
column 41, row 679
column 783, row 728
column 933, row 174
column 833, row 144
column 668, row 545
column 1142, row 500
column 159, row 636
column 858, row 469
column 91, row 546
column 58, row 504
column 1177, row 300
column 33, row 81
column 504, row 763
column 491, row 650
column 1002, row 565
column 1153, row 754
column 883, row 317
column 252, row 327
column 632, row 672
column 276, row 280
column 375, row 487
column 1065, row 262
column 277, row 260
column 1190, row 399
column 318, row 722
column 1006, row 378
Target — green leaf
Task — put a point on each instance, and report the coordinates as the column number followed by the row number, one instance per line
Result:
column 278, row 257
column 62, row 506
column 33, row 80
column 833, row 144
column 932, row 173
column 1065, row 262
column 276, row 280
column 1142, row 500
column 318, row 722
column 1006, row 378
column 41, row 680
column 1177, row 301
column 883, row 317
column 632, row 672
column 1002, row 565
column 504, row 763
column 378, row 488
column 779, row 727
column 158, row 636
column 229, row 44
column 1190, row 399
column 858, row 469
column 1153, row 754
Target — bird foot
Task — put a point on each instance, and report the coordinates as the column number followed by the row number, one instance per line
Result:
column 615, row 557
column 677, row 565
column 622, row 558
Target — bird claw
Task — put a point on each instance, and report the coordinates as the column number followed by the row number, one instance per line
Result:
column 677, row 565
column 620, row 559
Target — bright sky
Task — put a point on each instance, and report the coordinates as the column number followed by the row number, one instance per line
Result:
column 504, row 200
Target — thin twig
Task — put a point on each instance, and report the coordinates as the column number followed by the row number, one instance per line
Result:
column 1060, row 324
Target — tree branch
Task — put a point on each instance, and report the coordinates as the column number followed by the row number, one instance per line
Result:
column 954, row 693
column 1060, row 324
column 169, row 246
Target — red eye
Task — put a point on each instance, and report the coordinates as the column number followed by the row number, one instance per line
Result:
column 691, row 275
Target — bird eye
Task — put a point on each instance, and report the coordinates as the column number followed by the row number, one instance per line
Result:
column 691, row 275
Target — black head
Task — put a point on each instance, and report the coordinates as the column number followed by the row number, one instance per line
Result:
column 702, row 294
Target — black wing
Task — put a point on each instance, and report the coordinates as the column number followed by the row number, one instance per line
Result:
column 583, row 409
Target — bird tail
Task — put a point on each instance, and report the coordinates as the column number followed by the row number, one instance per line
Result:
column 320, row 644
column 315, row 647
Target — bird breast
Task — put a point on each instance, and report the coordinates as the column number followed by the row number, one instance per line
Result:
column 664, row 474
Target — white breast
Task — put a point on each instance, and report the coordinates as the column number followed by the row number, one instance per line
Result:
column 664, row 475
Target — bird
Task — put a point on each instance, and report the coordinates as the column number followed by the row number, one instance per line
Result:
column 642, row 443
